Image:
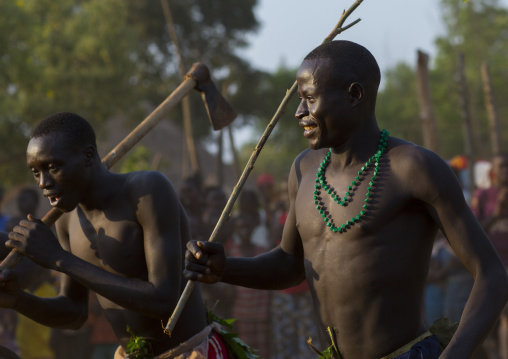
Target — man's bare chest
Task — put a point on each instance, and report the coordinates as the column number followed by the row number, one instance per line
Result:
column 386, row 227
column 343, row 207
column 114, row 244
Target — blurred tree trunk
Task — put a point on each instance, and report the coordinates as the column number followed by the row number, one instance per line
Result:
column 495, row 137
column 186, row 109
column 429, row 128
column 466, row 120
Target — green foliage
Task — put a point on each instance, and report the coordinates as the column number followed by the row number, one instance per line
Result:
column 444, row 330
column 108, row 58
column 329, row 353
column 397, row 104
column 237, row 347
column 138, row 347
column 137, row 160
column 478, row 30
column 286, row 140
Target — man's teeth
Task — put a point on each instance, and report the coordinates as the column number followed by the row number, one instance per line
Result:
column 308, row 128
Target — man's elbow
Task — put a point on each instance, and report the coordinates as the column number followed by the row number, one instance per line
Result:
column 497, row 282
column 161, row 306
column 76, row 320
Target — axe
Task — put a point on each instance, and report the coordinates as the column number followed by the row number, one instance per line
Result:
column 219, row 111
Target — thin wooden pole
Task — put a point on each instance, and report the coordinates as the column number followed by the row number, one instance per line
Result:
column 495, row 137
column 466, row 120
column 234, row 151
column 186, row 108
column 429, row 128
column 250, row 165
column 220, row 162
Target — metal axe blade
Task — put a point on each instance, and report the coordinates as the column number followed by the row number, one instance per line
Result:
column 219, row 110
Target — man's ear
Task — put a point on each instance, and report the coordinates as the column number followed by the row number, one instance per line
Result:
column 356, row 91
column 90, row 153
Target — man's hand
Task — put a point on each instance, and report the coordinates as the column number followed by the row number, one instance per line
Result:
column 36, row 240
column 204, row 262
column 9, row 289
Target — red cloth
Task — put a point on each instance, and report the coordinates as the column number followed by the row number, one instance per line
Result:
column 264, row 178
column 102, row 333
column 217, row 348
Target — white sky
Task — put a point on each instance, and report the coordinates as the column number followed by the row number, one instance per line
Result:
column 393, row 30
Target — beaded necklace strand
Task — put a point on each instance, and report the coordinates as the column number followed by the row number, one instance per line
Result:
column 323, row 186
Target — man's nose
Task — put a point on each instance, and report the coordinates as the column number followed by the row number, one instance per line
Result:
column 302, row 110
column 45, row 180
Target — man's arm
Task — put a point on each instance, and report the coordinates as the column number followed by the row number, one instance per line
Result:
column 68, row 310
column 437, row 187
column 279, row 268
column 160, row 216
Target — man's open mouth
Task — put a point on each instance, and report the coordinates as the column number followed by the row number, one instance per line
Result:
column 53, row 199
column 310, row 129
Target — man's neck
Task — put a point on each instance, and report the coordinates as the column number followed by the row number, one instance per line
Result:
column 102, row 187
column 361, row 145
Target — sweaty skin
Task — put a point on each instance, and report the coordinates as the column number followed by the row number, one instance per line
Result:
column 125, row 241
column 367, row 283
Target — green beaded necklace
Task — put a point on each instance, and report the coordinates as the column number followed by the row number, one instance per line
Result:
column 322, row 185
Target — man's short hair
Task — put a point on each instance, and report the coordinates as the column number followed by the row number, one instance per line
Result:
column 75, row 128
column 350, row 60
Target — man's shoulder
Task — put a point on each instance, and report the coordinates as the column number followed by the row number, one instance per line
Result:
column 146, row 180
column 152, row 185
column 308, row 158
column 407, row 155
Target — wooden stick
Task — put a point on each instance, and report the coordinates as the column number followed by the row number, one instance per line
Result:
column 186, row 107
column 248, row 168
column 495, row 136
column 466, row 120
column 116, row 153
column 430, row 137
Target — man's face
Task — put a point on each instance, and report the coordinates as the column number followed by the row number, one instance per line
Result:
column 189, row 194
column 244, row 229
column 324, row 110
column 59, row 170
column 500, row 170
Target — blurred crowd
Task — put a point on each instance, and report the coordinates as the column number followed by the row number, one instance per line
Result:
column 276, row 323
column 449, row 282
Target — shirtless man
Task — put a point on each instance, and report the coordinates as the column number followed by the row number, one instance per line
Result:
column 122, row 236
column 367, row 277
